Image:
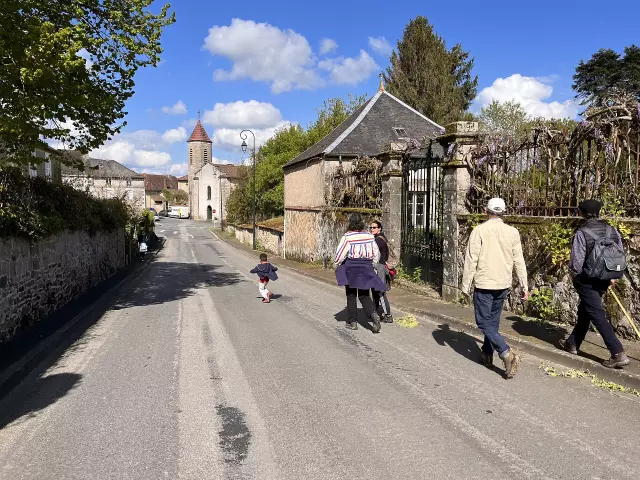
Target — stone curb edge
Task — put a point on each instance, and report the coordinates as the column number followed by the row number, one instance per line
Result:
column 544, row 353
column 30, row 360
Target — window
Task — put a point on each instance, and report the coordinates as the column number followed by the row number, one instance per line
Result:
column 108, row 181
column 128, row 182
column 47, row 169
column 208, row 193
column 190, row 155
column 400, row 132
column 206, row 156
column 33, row 171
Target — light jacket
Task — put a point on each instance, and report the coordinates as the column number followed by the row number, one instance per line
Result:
column 493, row 251
column 357, row 245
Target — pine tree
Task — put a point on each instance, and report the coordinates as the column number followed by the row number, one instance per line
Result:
column 429, row 77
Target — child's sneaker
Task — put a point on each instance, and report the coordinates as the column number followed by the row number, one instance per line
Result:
column 268, row 299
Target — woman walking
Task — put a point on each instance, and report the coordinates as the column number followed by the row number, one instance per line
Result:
column 355, row 259
column 380, row 299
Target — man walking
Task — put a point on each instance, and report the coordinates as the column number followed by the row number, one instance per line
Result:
column 493, row 251
column 595, row 239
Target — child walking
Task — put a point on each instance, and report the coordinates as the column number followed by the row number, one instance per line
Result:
column 265, row 272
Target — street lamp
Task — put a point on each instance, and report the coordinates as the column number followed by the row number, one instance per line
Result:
column 243, row 135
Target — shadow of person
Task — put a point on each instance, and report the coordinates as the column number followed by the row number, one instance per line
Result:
column 462, row 343
column 45, row 392
column 342, row 316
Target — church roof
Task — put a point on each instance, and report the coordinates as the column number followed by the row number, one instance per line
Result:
column 199, row 134
column 382, row 120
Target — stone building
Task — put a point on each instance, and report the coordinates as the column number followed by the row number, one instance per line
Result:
column 209, row 184
column 154, row 185
column 381, row 126
column 106, row 179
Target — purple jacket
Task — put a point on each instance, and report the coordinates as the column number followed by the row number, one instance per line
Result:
column 359, row 273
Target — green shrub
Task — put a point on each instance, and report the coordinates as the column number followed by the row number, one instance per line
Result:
column 34, row 208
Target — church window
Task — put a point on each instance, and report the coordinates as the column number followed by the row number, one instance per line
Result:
column 208, row 193
column 190, row 155
column 206, row 156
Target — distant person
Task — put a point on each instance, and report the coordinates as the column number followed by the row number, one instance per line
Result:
column 380, row 297
column 597, row 261
column 355, row 259
column 265, row 272
column 493, row 251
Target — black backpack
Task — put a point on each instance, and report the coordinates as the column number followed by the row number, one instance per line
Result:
column 606, row 260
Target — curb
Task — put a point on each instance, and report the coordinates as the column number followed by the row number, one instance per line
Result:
column 544, row 353
column 14, row 373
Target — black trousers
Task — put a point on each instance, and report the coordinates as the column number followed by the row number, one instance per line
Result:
column 590, row 310
column 353, row 294
column 379, row 297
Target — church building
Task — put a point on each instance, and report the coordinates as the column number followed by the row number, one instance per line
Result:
column 209, row 184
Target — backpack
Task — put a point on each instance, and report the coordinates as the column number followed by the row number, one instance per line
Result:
column 606, row 260
column 392, row 261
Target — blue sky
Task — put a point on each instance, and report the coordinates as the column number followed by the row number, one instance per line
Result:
column 260, row 65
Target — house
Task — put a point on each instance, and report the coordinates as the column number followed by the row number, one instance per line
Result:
column 183, row 183
column 382, row 124
column 105, row 179
column 154, row 185
column 209, row 184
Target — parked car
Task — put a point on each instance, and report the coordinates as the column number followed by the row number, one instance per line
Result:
column 163, row 213
column 179, row 211
column 156, row 217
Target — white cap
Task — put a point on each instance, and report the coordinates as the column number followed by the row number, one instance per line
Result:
column 497, row 206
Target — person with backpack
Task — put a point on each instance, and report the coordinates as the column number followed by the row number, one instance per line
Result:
column 597, row 261
column 385, row 265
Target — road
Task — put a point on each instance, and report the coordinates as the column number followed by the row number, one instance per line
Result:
column 189, row 376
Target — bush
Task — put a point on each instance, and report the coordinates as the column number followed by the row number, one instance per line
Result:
column 34, row 208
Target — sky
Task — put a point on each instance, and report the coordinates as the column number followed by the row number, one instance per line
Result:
column 264, row 65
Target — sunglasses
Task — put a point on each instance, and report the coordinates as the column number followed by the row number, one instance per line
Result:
column 374, row 228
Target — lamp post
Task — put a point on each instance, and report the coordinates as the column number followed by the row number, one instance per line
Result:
column 244, row 135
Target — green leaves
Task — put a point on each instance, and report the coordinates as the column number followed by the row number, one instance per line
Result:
column 49, row 91
column 431, row 78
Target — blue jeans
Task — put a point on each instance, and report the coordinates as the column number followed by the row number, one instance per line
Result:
column 487, row 305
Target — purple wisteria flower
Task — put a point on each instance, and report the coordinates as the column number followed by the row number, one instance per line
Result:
column 612, row 187
column 451, row 148
column 492, row 148
column 608, row 150
column 481, row 161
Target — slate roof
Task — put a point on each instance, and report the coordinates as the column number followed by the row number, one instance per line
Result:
column 199, row 134
column 154, row 182
column 99, row 168
column 370, row 128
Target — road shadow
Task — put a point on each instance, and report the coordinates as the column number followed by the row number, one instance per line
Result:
column 44, row 392
column 363, row 321
column 171, row 281
column 462, row 343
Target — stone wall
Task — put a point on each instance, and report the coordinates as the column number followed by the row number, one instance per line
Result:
column 542, row 272
column 267, row 239
column 38, row 279
column 313, row 236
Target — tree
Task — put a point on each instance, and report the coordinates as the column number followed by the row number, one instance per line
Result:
column 68, row 68
column 175, row 196
column 285, row 145
column 607, row 73
column 429, row 77
column 506, row 119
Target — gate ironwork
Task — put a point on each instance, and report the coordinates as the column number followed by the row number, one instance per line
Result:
column 421, row 235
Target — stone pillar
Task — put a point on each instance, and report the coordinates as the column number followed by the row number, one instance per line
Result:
column 392, row 201
column 456, row 183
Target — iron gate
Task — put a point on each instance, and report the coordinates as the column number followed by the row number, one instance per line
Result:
column 421, row 247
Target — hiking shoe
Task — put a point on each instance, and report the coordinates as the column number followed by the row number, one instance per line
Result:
column 486, row 359
column 567, row 346
column 387, row 318
column 352, row 325
column 618, row 360
column 511, row 364
column 375, row 318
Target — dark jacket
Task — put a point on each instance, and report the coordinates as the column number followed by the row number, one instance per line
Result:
column 265, row 270
column 359, row 273
column 583, row 244
column 381, row 241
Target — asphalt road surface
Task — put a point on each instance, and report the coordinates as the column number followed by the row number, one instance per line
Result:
column 187, row 375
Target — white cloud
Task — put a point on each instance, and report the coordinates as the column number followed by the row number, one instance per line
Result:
column 251, row 114
column 83, row 53
column 327, row 45
column 178, row 169
column 262, row 52
column 175, row 135
column 380, row 45
column 229, row 138
column 530, row 92
column 350, row 70
column 147, row 158
column 178, row 109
